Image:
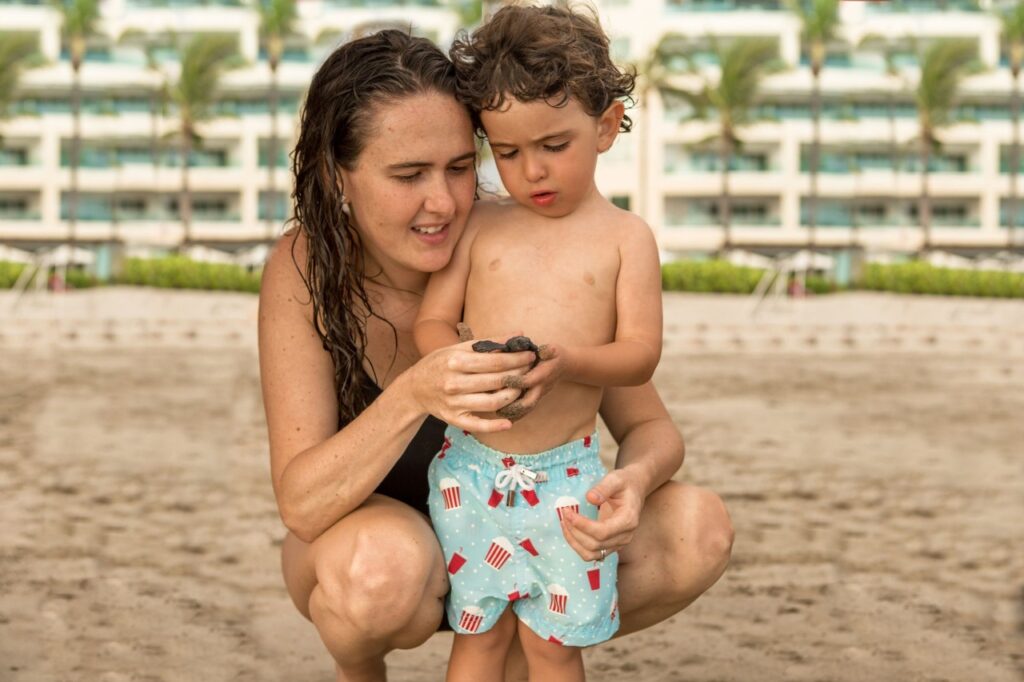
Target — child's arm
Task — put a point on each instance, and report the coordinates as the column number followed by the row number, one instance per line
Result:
column 441, row 309
column 630, row 360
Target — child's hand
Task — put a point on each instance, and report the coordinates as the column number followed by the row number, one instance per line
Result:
column 536, row 383
column 620, row 501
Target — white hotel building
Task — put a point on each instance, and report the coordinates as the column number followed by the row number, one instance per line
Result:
column 128, row 193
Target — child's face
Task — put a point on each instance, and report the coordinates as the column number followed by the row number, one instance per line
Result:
column 547, row 155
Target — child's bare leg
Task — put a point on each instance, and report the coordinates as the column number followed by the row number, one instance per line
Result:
column 550, row 661
column 482, row 656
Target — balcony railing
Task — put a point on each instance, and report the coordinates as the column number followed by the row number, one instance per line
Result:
column 694, row 219
column 380, row 4
column 183, row 4
column 18, row 215
column 904, row 6
column 845, row 165
column 15, row 157
column 724, row 5
column 103, row 158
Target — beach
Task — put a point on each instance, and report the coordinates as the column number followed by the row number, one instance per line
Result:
column 869, row 447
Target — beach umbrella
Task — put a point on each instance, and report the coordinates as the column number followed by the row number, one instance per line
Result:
column 944, row 259
column 749, row 259
column 12, row 255
column 254, row 257
column 205, row 254
column 808, row 260
column 66, row 254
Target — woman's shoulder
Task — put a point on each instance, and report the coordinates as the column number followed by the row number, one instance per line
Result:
column 283, row 279
column 287, row 260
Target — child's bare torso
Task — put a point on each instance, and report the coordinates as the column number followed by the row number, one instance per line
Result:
column 554, row 281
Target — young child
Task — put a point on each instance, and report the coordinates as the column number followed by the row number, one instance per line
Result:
column 571, row 270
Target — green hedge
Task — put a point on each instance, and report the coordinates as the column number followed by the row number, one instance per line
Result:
column 76, row 279
column 711, row 276
column 9, row 273
column 177, row 272
column 922, row 278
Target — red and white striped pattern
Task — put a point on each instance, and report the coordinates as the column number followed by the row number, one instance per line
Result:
column 471, row 618
column 450, row 493
column 559, row 599
column 563, row 503
column 499, row 553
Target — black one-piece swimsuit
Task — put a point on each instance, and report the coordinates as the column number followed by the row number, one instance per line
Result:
column 407, row 480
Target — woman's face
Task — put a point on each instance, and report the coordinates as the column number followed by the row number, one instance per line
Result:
column 411, row 189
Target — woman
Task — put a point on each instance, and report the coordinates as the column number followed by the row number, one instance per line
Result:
column 384, row 177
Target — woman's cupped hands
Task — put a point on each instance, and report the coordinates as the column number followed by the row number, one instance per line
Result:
column 458, row 385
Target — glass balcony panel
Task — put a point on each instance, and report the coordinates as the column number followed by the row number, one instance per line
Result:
column 14, row 157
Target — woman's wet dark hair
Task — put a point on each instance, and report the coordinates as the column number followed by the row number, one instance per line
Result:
column 336, row 122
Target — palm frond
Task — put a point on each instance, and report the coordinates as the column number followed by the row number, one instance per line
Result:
column 277, row 17
column 81, row 17
column 202, row 62
column 943, row 67
column 17, row 51
column 819, row 19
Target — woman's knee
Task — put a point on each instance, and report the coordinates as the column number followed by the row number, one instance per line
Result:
column 383, row 570
column 715, row 532
column 706, row 541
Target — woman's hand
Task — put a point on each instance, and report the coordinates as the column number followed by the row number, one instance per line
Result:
column 456, row 383
column 620, row 499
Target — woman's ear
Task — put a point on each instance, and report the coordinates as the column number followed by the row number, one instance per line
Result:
column 608, row 125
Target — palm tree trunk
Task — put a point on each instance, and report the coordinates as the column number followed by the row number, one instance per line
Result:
column 185, row 199
column 812, row 199
column 272, row 160
column 1011, row 208
column 724, row 209
column 154, row 140
column 76, row 135
column 894, row 154
column 924, row 208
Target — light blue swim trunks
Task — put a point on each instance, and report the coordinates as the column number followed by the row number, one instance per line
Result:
column 499, row 553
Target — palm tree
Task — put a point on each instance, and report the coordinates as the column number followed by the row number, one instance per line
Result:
column 80, row 23
column 158, row 92
column 17, row 51
column 652, row 75
column 743, row 65
column 1013, row 35
column 890, row 48
column 943, row 66
column 819, row 21
column 277, row 22
column 202, row 62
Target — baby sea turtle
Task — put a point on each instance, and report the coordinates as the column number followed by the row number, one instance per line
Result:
column 516, row 344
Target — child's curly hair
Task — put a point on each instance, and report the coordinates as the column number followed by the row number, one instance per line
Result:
column 539, row 53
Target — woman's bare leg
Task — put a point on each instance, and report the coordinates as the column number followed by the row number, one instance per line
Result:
column 349, row 577
column 679, row 550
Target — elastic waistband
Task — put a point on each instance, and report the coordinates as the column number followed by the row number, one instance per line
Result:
column 575, row 451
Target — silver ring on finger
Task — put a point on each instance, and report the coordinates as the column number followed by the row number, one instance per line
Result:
column 604, row 554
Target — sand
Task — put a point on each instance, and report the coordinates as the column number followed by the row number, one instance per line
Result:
column 869, row 449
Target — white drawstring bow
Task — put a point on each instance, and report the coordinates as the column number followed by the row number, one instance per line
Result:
column 515, row 476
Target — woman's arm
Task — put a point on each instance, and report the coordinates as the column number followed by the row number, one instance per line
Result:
column 321, row 474
column 651, row 450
